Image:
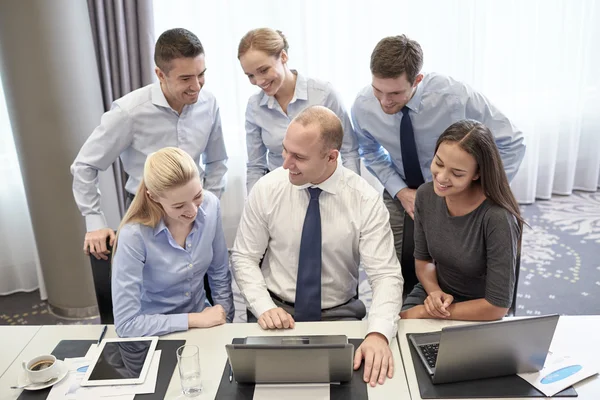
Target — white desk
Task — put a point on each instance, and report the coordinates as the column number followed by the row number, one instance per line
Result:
column 212, row 353
column 575, row 335
column 13, row 340
column 44, row 341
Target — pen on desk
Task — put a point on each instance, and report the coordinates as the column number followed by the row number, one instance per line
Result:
column 102, row 334
column 230, row 372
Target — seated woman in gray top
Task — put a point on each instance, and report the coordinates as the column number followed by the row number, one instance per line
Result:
column 467, row 229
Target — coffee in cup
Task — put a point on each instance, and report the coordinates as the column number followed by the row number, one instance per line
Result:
column 41, row 368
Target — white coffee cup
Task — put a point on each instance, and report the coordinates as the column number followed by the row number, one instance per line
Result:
column 41, row 368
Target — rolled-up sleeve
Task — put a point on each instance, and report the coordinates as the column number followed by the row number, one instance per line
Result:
column 127, row 286
column 101, row 149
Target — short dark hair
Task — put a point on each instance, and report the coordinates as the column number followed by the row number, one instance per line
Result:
column 176, row 43
column 332, row 132
column 396, row 55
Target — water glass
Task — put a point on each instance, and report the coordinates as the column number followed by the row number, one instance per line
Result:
column 188, row 360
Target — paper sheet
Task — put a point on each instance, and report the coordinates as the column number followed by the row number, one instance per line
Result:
column 69, row 388
column 316, row 391
column 559, row 372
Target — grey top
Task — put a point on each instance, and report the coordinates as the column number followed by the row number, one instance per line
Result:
column 475, row 254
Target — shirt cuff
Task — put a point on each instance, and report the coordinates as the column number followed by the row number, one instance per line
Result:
column 262, row 306
column 386, row 327
column 178, row 322
column 94, row 222
column 394, row 185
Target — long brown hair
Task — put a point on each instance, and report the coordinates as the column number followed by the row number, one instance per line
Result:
column 476, row 139
column 165, row 169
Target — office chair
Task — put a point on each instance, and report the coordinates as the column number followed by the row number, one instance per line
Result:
column 407, row 261
column 101, row 273
column 512, row 311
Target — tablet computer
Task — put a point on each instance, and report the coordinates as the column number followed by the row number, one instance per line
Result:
column 121, row 361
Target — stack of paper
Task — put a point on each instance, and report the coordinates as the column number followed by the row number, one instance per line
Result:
column 559, row 373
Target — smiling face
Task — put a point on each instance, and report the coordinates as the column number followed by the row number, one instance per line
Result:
column 394, row 93
column 181, row 203
column 453, row 170
column 304, row 155
column 265, row 71
column 182, row 83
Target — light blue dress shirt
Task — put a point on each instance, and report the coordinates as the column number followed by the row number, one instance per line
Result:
column 141, row 123
column 266, row 124
column 156, row 283
column 438, row 102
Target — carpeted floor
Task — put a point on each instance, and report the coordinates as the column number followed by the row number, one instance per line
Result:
column 560, row 267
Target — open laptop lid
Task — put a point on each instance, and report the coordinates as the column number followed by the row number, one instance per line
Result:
column 492, row 349
column 296, row 340
column 296, row 363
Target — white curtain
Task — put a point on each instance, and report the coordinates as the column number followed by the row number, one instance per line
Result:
column 19, row 263
column 537, row 60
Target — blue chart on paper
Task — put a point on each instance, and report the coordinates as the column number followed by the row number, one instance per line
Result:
column 561, row 374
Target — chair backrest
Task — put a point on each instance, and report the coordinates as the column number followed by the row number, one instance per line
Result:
column 513, row 307
column 101, row 273
column 408, row 259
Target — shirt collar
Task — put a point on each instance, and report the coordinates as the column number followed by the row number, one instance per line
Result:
column 300, row 91
column 329, row 185
column 158, row 97
column 200, row 217
column 415, row 102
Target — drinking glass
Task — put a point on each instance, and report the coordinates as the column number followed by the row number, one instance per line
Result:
column 188, row 360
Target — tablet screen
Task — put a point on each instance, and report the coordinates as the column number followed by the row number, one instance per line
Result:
column 121, row 360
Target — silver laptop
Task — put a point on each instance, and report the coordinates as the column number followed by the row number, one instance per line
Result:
column 465, row 352
column 292, row 359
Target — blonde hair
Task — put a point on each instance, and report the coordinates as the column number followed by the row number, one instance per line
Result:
column 165, row 169
column 267, row 40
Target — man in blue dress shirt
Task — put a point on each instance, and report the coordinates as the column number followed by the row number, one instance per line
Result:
column 399, row 117
column 172, row 112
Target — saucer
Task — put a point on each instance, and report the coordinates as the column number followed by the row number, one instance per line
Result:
column 22, row 379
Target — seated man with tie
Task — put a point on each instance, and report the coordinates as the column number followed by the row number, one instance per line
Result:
column 399, row 117
column 315, row 221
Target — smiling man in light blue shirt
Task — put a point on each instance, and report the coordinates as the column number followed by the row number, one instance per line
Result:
column 173, row 112
column 430, row 103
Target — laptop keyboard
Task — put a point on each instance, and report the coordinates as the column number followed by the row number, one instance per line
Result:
column 430, row 351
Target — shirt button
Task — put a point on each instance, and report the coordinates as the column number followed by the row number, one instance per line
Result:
column 189, row 245
column 187, row 294
column 190, row 265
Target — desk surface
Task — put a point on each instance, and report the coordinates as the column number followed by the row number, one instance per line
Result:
column 575, row 336
column 13, row 340
column 212, row 352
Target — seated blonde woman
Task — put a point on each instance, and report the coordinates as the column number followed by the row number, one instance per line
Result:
column 169, row 239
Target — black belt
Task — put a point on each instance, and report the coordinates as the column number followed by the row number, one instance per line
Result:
column 290, row 304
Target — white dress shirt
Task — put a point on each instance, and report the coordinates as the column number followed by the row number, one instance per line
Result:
column 266, row 124
column 141, row 123
column 355, row 229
